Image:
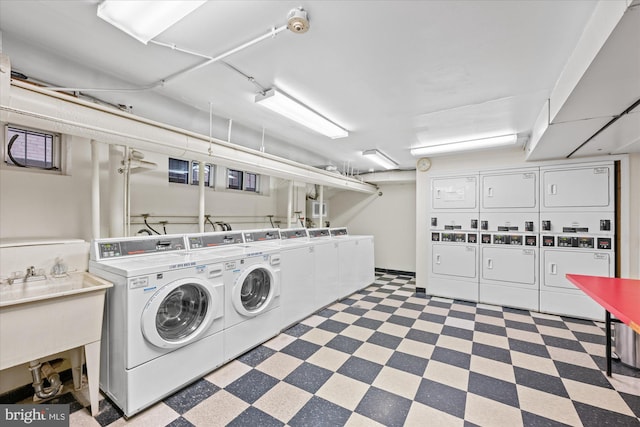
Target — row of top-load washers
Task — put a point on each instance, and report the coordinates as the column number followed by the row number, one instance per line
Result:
column 182, row 305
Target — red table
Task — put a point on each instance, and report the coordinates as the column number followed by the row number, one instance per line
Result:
column 620, row 297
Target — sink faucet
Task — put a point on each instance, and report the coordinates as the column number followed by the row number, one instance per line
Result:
column 29, row 275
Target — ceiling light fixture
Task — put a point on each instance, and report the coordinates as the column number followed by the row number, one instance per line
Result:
column 468, row 145
column 294, row 110
column 144, row 20
column 380, row 158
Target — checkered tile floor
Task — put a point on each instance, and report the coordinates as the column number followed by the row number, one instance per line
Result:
column 387, row 356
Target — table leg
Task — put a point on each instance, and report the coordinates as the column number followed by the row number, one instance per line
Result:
column 608, row 334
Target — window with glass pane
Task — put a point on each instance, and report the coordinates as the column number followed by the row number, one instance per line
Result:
column 234, row 179
column 31, row 148
column 250, row 182
column 178, row 171
column 195, row 174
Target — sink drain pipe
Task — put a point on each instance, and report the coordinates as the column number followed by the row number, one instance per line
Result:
column 44, row 370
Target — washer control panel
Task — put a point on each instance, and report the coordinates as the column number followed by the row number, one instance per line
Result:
column 139, row 246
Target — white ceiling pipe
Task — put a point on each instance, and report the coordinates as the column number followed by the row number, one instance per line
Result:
column 62, row 113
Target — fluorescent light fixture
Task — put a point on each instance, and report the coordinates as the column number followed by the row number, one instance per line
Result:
column 380, row 158
column 469, row 145
column 144, row 20
column 292, row 109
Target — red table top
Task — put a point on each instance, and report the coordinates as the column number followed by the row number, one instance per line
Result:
column 620, row 297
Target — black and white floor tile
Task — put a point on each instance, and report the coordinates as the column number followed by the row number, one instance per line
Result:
column 387, row 356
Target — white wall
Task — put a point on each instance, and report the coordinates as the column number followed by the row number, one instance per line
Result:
column 390, row 218
column 41, row 204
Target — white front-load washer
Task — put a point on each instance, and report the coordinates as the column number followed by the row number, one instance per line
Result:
column 252, row 306
column 252, row 285
column 163, row 318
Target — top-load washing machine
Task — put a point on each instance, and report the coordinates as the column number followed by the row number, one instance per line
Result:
column 297, row 275
column 327, row 276
column 356, row 261
column 163, row 318
column 252, row 289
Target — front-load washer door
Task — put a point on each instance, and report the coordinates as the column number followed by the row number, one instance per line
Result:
column 179, row 312
column 254, row 290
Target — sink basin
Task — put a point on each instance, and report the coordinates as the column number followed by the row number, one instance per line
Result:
column 51, row 287
column 44, row 317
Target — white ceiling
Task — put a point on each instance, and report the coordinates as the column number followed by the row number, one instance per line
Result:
column 396, row 74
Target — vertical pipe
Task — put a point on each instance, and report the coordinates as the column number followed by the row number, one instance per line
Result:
column 201, row 168
column 290, row 204
column 126, row 166
column 95, row 189
column 229, row 131
column 116, row 192
column 321, row 200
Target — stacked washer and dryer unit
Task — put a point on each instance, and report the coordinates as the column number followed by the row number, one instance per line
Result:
column 453, row 271
column 509, row 237
column 577, row 220
column 509, row 255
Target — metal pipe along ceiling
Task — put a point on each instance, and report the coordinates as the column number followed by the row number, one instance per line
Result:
column 32, row 106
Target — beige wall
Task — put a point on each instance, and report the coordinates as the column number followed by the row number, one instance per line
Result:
column 389, row 217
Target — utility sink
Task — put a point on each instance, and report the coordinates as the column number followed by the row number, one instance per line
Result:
column 51, row 287
column 43, row 317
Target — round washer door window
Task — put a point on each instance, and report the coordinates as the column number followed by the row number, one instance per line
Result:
column 254, row 289
column 178, row 313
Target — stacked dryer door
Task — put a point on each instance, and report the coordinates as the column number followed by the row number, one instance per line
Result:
column 453, row 269
column 577, row 221
column 509, row 238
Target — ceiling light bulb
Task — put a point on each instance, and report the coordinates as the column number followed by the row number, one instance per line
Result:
column 293, row 110
column 468, row 145
column 380, row 158
column 144, row 20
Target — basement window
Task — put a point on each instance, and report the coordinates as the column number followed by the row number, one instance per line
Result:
column 185, row 172
column 178, row 171
column 30, row 148
column 208, row 174
column 239, row 180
